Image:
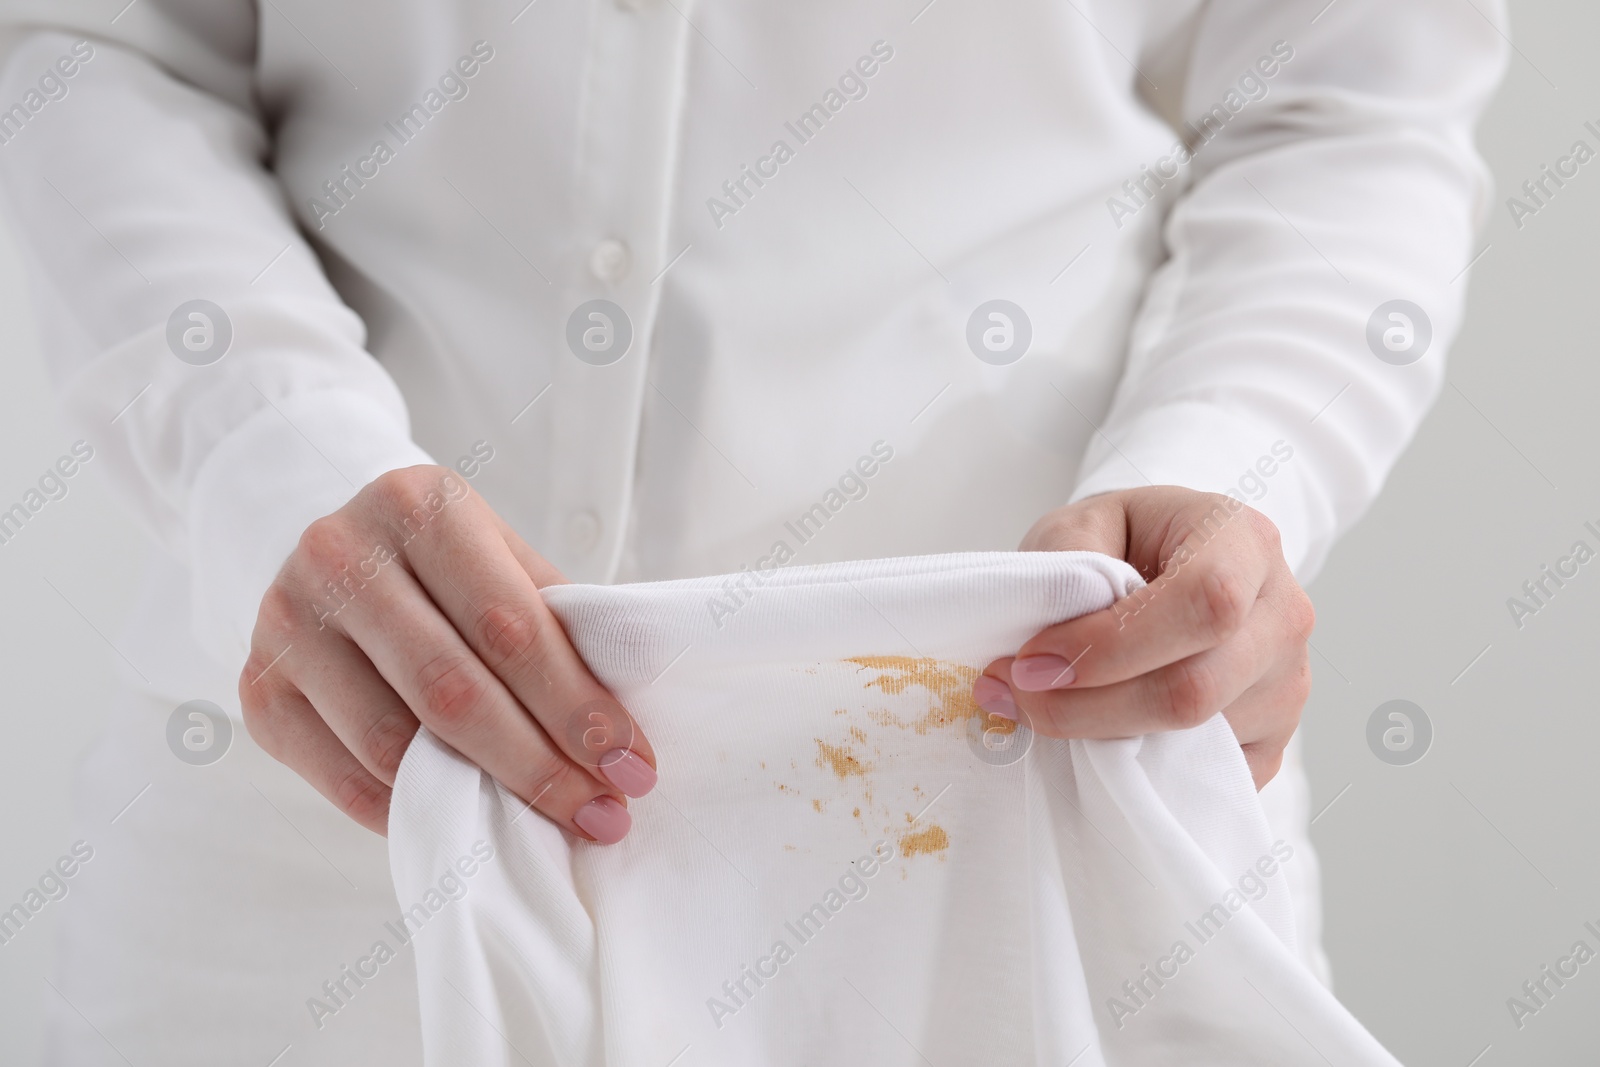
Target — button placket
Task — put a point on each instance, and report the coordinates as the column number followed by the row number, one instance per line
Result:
column 632, row 99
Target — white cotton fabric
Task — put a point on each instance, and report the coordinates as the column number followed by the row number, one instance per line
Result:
column 827, row 718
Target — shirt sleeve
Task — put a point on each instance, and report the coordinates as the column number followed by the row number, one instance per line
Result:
column 134, row 172
column 1332, row 172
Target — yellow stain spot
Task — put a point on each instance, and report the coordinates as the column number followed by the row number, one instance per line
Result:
column 926, row 842
column 949, row 686
column 840, row 759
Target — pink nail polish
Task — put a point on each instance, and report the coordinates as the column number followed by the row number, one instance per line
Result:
column 628, row 771
column 994, row 696
column 1035, row 674
column 604, row 819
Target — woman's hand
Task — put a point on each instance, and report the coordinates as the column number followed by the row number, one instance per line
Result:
column 414, row 603
column 1222, row 626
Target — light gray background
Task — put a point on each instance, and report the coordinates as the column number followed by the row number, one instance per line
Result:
column 1448, row 882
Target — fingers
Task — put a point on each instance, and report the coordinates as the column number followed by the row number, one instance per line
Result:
column 470, row 572
column 1203, row 597
column 1264, row 718
column 1223, row 627
column 424, row 659
column 415, row 604
column 1260, row 681
column 289, row 729
column 364, row 712
column 1266, row 715
column 1174, row 697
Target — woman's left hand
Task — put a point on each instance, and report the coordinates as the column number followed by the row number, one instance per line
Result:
column 1222, row 627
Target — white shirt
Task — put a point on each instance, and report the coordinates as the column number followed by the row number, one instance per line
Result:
column 396, row 305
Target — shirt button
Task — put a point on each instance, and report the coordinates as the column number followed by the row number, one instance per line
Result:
column 610, row 260
column 583, row 531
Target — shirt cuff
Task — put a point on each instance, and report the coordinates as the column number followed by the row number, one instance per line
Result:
column 283, row 468
column 1213, row 449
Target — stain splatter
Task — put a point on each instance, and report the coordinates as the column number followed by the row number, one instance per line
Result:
column 856, row 751
column 949, row 686
column 840, row 759
column 925, row 842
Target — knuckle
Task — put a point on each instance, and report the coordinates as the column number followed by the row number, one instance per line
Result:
column 451, row 689
column 252, row 674
column 1190, row 694
column 1264, row 528
column 386, row 742
column 261, row 714
column 1302, row 614
column 1221, row 604
column 279, row 610
column 325, row 544
column 552, row 775
column 506, row 633
column 362, row 797
column 414, row 494
column 400, row 489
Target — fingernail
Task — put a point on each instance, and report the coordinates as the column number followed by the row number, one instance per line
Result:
column 994, row 696
column 1034, row 674
column 626, row 770
column 604, row 819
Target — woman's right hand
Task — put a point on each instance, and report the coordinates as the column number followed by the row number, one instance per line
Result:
column 416, row 603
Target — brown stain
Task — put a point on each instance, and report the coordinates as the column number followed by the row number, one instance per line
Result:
column 949, row 691
column 949, row 686
column 840, row 759
column 925, row 842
